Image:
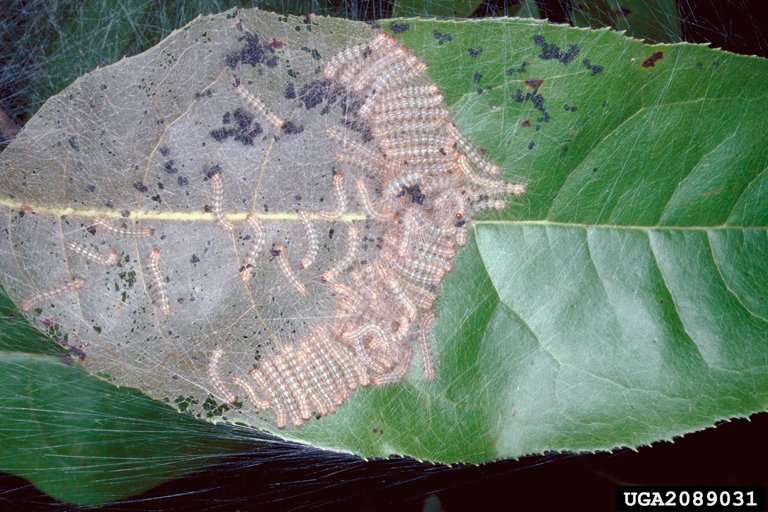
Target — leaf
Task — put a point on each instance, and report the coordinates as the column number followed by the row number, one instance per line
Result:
column 66, row 431
column 462, row 8
column 655, row 21
column 621, row 301
column 59, row 42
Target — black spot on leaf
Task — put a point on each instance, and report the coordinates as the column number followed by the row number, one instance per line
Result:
column 290, row 91
column 442, row 38
column 550, row 51
column 594, row 68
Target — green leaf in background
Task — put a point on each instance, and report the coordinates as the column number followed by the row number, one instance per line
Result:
column 459, row 8
column 55, row 42
column 654, row 20
column 621, row 302
column 81, row 440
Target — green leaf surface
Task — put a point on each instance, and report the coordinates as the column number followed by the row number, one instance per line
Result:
column 621, row 302
column 81, row 440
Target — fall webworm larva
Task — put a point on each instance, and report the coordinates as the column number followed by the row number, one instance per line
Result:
column 217, row 198
column 285, row 266
column 213, row 375
column 123, row 230
column 34, row 300
column 159, row 283
column 109, row 258
column 312, row 243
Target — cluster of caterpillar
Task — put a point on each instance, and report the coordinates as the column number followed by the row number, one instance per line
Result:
column 433, row 179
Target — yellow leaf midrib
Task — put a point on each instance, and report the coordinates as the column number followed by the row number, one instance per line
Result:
column 164, row 215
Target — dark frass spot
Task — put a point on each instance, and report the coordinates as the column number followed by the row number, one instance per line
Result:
column 140, row 186
column 290, row 91
column 477, row 77
column 531, row 145
column 290, row 128
column 242, row 118
column 164, row 150
column 551, row 51
column 442, row 38
column 653, row 59
column 183, row 181
column 243, row 133
column 594, row 68
column 569, row 108
column 194, row 259
column 90, row 188
column 537, row 100
column 415, row 193
column 399, row 28
column 73, row 143
column 169, row 167
column 315, row 92
column 252, row 53
column 474, row 52
column 221, row 134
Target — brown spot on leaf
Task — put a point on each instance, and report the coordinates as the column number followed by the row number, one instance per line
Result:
column 651, row 61
column 534, row 84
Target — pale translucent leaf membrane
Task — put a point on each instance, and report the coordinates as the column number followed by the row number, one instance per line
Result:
column 245, row 219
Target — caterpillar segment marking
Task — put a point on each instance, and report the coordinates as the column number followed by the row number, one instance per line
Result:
column 123, row 230
column 255, row 104
column 39, row 298
column 281, row 258
column 215, row 378
column 349, row 256
column 313, row 245
column 217, row 198
column 107, row 259
column 160, row 291
column 258, row 240
column 340, row 195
